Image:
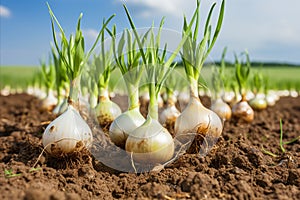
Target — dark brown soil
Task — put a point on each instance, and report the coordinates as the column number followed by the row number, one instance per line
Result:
column 236, row 168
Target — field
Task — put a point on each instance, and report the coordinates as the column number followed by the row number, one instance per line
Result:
column 280, row 77
column 110, row 115
column 236, row 167
column 245, row 163
column 17, row 76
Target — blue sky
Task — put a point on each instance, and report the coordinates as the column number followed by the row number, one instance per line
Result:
column 268, row 29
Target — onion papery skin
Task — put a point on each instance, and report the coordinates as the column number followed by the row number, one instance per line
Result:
column 107, row 111
column 258, row 103
column 197, row 119
column 222, row 109
column 150, row 143
column 123, row 125
column 67, row 133
column 243, row 111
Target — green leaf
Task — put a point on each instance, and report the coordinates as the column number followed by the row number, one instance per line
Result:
column 135, row 33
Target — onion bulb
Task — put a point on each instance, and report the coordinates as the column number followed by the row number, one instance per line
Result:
column 169, row 115
column 49, row 103
column 222, row 109
column 196, row 117
column 271, row 99
column 228, row 97
column 107, row 111
column 67, row 133
column 183, row 97
column 150, row 143
column 125, row 124
column 258, row 102
column 243, row 111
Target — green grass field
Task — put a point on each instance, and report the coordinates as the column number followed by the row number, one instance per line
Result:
column 17, row 76
column 279, row 77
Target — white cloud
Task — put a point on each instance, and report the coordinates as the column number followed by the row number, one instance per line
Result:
column 259, row 26
column 175, row 8
column 90, row 34
column 4, row 12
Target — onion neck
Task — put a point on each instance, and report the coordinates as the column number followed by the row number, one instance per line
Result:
column 50, row 93
column 244, row 97
column 74, row 92
column 103, row 94
column 153, row 103
column 133, row 96
column 171, row 98
column 194, row 88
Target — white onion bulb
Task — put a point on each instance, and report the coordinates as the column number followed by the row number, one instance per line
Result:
column 271, row 99
column 221, row 108
column 125, row 124
column 183, row 97
column 49, row 103
column 169, row 115
column 67, row 133
column 150, row 143
column 243, row 111
column 258, row 102
column 107, row 111
column 228, row 97
column 196, row 118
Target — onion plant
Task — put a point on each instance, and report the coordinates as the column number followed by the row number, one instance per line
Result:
column 37, row 85
column 226, row 78
column 242, row 110
column 48, row 73
column 170, row 113
column 195, row 118
column 106, row 110
column 258, row 102
column 151, row 142
column 218, row 79
column 127, row 59
column 69, row 132
column 61, row 83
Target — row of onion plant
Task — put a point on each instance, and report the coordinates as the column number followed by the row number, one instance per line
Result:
column 139, row 57
column 69, row 132
column 143, row 61
column 249, row 90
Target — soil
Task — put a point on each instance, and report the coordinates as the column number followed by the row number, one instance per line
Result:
column 236, row 168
